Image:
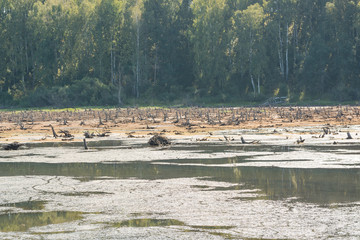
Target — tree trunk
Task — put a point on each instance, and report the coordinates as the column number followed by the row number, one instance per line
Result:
column 119, row 88
column 253, row 84
column 287, row 53
column 155, row 65
column 250, row 64
column 280, row 52
column 295, row 44
column 111, row 66
column 137, row 57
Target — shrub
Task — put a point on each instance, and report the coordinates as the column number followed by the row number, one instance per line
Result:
column 84, row 92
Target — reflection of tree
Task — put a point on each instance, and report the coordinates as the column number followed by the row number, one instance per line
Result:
column 24, row 221
column 148, row 223
column 314, row 185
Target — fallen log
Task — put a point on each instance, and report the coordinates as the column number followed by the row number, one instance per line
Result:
column 12, row 146
column 66, row 134
column 252, row 142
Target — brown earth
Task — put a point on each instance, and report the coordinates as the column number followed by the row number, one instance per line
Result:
column 136, row 122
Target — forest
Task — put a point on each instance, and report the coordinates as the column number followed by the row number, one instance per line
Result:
column 65, row 53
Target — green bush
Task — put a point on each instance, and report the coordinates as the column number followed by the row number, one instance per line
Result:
column 5, row 99
column 343, row 93
column 84, row 92
column 91, row 91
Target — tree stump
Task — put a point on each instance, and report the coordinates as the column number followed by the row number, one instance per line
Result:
column 158, row 140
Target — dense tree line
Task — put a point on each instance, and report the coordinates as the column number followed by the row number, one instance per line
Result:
column 91, row 52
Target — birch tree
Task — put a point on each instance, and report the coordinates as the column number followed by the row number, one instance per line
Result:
column 248, row 25
column 209, row 38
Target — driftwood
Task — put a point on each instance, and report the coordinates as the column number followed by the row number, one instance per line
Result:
column 228, row 139
column 202, row 139
column 252, row 142
column 326, row 130
column 53, row 131
column 12, row 146
column 104, row 134
column 66, row 134
column 300, row 140
column 85, row 145
column 158, row 140
column 87, row 134
column 349, row 136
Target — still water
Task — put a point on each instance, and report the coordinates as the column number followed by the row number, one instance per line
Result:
column 187, row 191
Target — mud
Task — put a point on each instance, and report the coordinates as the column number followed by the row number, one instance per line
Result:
column 215, row 189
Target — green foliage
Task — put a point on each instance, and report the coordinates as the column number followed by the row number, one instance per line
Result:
column 84, row 92
column 91, row 52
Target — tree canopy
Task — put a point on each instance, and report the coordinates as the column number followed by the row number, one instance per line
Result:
column 111, row 52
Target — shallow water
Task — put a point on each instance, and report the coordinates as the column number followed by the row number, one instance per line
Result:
column 191, row 190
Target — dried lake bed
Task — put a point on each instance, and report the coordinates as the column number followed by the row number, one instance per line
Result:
column 215, row 189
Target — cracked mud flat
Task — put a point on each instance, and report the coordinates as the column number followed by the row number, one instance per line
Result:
column 122, row 189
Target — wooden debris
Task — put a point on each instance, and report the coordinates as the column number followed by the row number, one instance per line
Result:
column 12, row 146
column 85, row 144
column 300, row 140
column 252, row 142
column 326, row 130
column 67, row 139
column 104, row 134
column 66, row 134
column 87, row 134
column 158, row 140
column 53, row 131
column 202, row 139
column 228, row 139
column 349, row 136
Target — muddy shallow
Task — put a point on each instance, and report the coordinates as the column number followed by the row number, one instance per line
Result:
column 214, row 189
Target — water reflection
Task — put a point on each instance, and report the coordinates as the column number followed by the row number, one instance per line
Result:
column 311, row 185
column 149, row 223
column 79, row 144
column 27, row 205
column 15, row 222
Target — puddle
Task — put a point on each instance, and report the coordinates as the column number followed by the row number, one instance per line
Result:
column 204, row 190
column 20, row 222
column 149, row 223
column 230, row 160
column 21, row 155
column 311, row 185
column 27, row 205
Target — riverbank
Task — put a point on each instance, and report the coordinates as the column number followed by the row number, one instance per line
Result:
column 75, row 124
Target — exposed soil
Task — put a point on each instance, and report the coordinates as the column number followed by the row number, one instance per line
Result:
column 30, row 126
